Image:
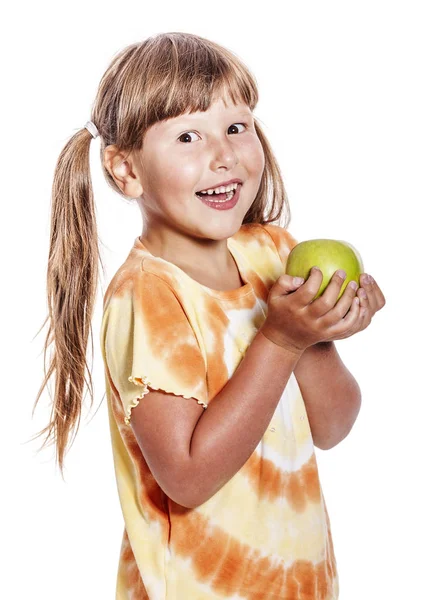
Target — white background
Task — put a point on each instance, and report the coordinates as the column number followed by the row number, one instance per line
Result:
column 351, row 99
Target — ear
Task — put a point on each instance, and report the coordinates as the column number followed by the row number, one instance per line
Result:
column 122, row 169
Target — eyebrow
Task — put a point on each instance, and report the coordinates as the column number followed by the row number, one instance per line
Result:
column 194, row 116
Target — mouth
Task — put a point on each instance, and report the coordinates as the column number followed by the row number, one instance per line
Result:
column 221, row 201
column 224, row 184
column 216, row 198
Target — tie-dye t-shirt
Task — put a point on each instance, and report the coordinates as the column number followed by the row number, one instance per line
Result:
column 265, row 535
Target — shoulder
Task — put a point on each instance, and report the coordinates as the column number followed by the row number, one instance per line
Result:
column 140, row 273
column 266, row 232
column 279, row 235
column 274, row 237
column 139, row 290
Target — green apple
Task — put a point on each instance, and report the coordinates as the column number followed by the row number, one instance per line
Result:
column 329, row 256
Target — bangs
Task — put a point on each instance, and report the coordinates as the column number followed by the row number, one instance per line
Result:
column 192, row 75
column 191, row 93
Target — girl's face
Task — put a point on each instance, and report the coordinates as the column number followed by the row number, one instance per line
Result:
column 195, row 152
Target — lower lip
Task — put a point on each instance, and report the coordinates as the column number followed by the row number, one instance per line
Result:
column 226, row 205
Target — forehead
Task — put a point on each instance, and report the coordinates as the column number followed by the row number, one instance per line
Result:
column 221, row 109
column 218, row 109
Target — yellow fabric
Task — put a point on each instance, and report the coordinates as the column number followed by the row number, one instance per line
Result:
column 266, row 533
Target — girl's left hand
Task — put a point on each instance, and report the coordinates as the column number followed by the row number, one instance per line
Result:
column 371, row 300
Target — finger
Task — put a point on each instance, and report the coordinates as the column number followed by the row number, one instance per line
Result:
column 366, row 311
column 365, row 280
column 366, row 283
column 381, row 300
column 364, row 300
column 349, row 321
column 311, row 286
column 364, row 320
column 364, row 317
column 360, row 320
column 326, row 302
column 290, row 284
column 284, row 285
column 375, row 296
column 345, row 302
column 343, row 305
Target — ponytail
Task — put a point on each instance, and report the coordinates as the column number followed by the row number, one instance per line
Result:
column 71, row 289
column 162, row 77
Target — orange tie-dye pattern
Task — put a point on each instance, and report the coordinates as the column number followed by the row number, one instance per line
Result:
column 265, row 535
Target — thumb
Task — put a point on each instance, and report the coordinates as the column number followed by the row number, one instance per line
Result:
column 286, row 284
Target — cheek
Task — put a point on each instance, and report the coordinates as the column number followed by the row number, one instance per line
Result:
column 254, row 157
column 187, row 171
column 176, row 174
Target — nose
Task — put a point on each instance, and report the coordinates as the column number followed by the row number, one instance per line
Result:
column 223, row 155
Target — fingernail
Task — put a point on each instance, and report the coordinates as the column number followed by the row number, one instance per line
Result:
column 367, row 279
column 353, row 285
column 341, row 274
column 298, row 280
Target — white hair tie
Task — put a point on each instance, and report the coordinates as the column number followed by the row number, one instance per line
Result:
column 92, row 129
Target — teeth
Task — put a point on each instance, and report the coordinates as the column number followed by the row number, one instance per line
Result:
column 229, row 196
column 221, row 190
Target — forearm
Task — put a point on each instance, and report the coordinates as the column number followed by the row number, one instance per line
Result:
column 331, row 394
column 230, row 428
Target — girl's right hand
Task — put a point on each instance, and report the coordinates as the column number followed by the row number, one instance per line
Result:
column 295, row 321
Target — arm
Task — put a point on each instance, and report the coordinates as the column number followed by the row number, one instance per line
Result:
column 331, row 395
column 193, row 452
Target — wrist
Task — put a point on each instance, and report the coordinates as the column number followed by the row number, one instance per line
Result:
column 275, row 339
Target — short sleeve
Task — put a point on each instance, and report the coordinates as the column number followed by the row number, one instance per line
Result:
column 283, row 240
column 148, row 342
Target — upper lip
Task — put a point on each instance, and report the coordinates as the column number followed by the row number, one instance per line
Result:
column 223, row 183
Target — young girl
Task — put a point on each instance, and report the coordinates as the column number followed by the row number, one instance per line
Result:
column 221, row 372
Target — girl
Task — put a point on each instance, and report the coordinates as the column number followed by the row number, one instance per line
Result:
column 221, row 372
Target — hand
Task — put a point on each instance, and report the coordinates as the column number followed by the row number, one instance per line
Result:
column 371, row 300
column 296, row 321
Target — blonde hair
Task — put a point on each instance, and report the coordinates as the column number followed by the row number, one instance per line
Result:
column 162, row 77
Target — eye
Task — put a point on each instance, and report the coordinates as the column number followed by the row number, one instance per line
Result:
column 188, row 133
column 235, row 125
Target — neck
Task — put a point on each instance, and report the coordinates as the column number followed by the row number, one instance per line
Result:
column 196, row 254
